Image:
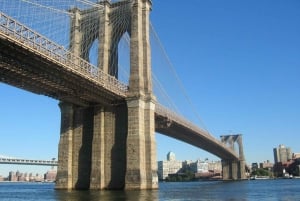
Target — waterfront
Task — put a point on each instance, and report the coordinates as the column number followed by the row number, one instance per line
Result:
column 269, row 190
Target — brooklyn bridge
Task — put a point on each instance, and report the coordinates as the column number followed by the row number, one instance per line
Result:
column 107, row 137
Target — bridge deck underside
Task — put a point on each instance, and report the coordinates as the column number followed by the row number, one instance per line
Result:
column 182, row 133
column 28, row 70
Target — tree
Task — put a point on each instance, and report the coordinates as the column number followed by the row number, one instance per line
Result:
column 261, row 172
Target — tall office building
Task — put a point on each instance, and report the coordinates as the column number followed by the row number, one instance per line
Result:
column 282, row 154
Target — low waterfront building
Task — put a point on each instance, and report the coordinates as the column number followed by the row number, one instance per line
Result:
column 267, row 165
column 199, row 166
column 296, row 155
column 215, row 167
column 186, row 164
column 22, row 177
column 206, row 169
column 50, row 176
column 12, row 176
column 169, row 166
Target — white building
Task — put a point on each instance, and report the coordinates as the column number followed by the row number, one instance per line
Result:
column 170, row 166
column 215, row 166
column 199, row 166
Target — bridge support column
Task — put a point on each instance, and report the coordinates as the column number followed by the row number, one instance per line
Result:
column 105, row 34
column 65, row 150
column 151, row 161
column 226, row 170
column 241, row 170
column 109, row 148
column 141, row 147
column 98, row 151
column 141, row 172
column 242, row 164
column 75, row 147
column 234, row 169
column 92, row 148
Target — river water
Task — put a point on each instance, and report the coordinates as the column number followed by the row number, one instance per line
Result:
column 258, row 190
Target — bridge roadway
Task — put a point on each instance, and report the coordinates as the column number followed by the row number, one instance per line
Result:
column 31, row 62
column 18, row 161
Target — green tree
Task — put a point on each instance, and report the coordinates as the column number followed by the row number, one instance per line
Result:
column 261, row 172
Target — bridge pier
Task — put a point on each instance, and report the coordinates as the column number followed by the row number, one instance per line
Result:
column 64, row 176
column 109, row 148
column 141, row 170
column 141, row 147
column 75, row 147
column 92, row 147
column 234, row 169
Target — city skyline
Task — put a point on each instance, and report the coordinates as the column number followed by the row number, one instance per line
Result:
column 238, row 61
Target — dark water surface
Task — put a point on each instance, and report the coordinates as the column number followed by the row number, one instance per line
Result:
column 270, row 190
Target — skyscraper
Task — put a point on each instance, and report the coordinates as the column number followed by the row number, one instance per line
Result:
column 282, row 154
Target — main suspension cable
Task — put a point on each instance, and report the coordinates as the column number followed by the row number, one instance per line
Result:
column 177, row 77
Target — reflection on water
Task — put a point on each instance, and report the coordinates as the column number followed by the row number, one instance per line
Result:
column 270, row 190
column 144, row 195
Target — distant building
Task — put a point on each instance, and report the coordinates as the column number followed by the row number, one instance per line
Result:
column 186, row 165
column 296, row 155
column 202, row 166
column 50, row 175
column 12, row 176
column 38, row 177
column 206, row 169
column 171, row 156
column 254, row 166
column 170, row 166
column 21, row 177
column 266, row 165
column 281, row 168
column 215, row 166
column 282, row 154
column 1, row 178
column 199, row 166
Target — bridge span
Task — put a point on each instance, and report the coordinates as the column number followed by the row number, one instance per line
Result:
column 18, row 161
column 107, row 128
column 44, row 67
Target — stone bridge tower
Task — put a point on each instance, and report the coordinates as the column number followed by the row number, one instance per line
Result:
column 234, row 169
column 111, row 145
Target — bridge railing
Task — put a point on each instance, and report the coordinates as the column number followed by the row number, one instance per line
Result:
column 162, row 110
column 58, row 53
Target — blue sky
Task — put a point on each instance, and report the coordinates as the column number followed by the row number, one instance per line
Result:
column 239, row 62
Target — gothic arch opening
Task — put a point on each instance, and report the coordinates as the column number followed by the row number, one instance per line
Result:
column 124, row 58
column 93, row 53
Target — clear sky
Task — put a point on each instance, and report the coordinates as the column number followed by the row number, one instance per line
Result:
column 239, row 62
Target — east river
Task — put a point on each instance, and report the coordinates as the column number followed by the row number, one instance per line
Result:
column 258, row 190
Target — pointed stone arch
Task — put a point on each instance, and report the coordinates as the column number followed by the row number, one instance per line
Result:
column 121, row 150
column 108, row 22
